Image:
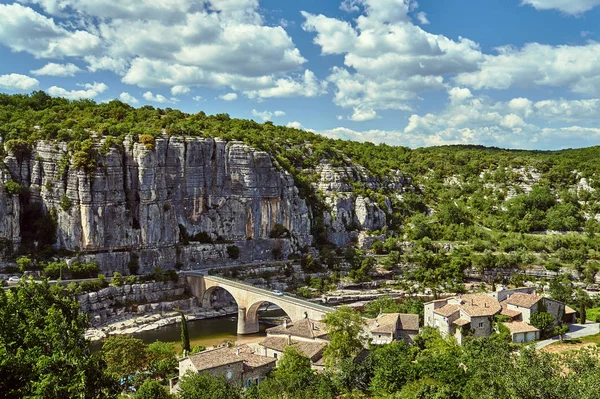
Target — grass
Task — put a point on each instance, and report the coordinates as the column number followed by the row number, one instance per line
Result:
column 592, row 313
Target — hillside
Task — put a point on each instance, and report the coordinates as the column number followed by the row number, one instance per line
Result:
column 146, row 187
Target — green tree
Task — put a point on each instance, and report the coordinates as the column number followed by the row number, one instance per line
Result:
column 43, row 351
column 293, row 372
column 185, row 336
column 162, row 361
column 543, row 321
column 124, row 356
column 152, row 389
column 393, row 368
column 561, row 330
column 583, row 300
column 345, row 328
column 561, row 289
column 117, row 279
column 205, row 386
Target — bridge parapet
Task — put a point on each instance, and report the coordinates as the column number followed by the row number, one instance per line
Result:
column 249, row 299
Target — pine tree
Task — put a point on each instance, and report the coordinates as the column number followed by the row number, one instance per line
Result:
column 185, row 337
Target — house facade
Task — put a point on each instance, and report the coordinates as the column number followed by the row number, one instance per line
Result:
column 240, row 365
column 389, row 327
column 474, row 314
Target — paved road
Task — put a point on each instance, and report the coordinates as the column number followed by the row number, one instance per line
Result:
column 577, row 331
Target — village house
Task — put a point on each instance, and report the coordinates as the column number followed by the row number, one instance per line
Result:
column 389, row 327
column 240, row 365
column 308, row 336
column 474, row 314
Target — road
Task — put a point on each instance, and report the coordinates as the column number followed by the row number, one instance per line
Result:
column 577, row 331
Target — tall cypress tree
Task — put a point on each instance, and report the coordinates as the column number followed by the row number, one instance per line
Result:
column 185, row 337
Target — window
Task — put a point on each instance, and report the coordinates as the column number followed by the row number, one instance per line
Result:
column 275, row 355
column 481, row 324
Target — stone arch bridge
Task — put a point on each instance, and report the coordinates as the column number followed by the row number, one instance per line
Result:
column 249, row 299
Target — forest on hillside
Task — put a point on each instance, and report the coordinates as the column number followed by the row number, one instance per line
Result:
column 488, row 205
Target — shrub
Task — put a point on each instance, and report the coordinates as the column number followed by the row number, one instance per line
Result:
column 24, row 263
column 117, row 279
column 233, row 251
column 279, row 231
column 133, row 264
column 12, row 187
column 148, row 140
column 20, row 148
column 65, row 203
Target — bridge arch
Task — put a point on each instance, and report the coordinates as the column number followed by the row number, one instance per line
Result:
column 249, row 299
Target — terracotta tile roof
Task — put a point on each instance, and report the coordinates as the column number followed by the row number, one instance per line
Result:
column 523, row 300
column 305, row 328
column 313, row 350
column 461, row 322
column 519, row 327
column 222, row 356
column 508, row 312
column 447, row 310
column 409, row 321
column 384, row 323
column 569, row 310
column 479, row 305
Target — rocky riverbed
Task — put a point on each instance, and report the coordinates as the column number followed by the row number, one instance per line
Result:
column 131, row 323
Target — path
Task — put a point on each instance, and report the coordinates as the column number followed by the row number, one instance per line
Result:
column 577, row 331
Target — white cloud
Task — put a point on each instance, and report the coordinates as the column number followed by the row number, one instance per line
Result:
column 422, row 18
column 267, row 115
column 178, row 90
column 229, row 97
column 362, row 114
column 91, row 91
column 573, row 7
column 458, row 94
column 157, row 98
column 388, row 61
column 53, row 69
column 574, row 67
column 18, row 82
column 166, row 43
column 305, row 85
column 197, row 98
column 23, row 29
column 128, row 98
column 295, row 125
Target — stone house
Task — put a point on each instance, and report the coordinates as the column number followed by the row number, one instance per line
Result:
column 474, row 314
column 389, row 327
column 239, row 365
column 307, row 335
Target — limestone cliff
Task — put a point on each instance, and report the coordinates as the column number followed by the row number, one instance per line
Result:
column 143, row 200
column 181, row 203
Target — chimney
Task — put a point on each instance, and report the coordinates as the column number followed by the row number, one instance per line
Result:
column 472, row 304
column 485, row 304
column 284, row 323
column 289, row 339
column 376, row 323
column 237, row 351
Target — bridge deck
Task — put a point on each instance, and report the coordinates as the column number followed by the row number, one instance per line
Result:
column 266, row 293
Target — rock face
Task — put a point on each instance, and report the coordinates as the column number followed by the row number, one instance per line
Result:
column 142, row 200
column 349, row 213
column 183, row 203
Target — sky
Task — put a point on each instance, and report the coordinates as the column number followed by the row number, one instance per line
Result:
column 505, row 73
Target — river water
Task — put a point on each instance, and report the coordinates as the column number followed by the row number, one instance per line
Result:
column 210, row 332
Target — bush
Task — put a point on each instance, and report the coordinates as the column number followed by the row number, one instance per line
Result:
column 279, row 231
column 65, row 203
column 117, row 279
column 133, row 264
column 12, row 187
column 152, row 389
column 20, row 148
column 148, row 140
column 233, row 251
column 24, row 263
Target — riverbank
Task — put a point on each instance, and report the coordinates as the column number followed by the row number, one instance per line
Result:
column 129, row 324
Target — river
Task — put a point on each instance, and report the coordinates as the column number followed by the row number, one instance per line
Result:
column 208, row 332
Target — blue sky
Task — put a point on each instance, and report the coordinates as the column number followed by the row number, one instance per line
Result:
column 508, row 73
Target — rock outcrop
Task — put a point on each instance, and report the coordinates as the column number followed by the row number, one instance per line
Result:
column 184, row 202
